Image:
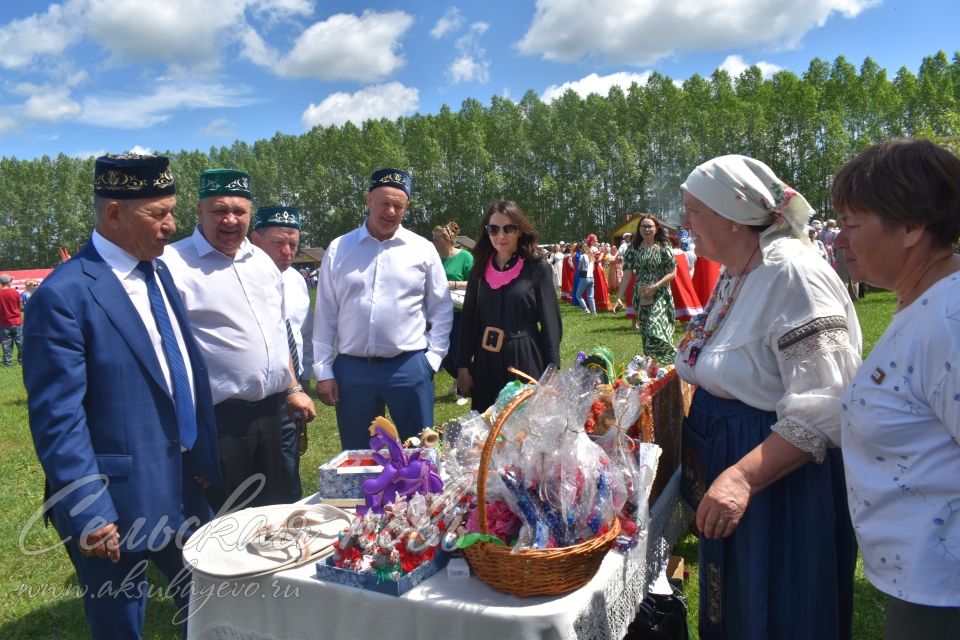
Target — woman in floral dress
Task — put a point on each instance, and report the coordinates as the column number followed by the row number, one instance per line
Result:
column 651, row 260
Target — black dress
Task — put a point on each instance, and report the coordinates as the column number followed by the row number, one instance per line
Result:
column 527, row 313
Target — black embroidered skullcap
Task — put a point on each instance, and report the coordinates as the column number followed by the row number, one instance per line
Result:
column 130, row 176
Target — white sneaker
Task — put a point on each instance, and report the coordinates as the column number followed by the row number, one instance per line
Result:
column 461, row 400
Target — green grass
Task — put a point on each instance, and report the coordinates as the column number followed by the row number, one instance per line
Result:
column 35, row 601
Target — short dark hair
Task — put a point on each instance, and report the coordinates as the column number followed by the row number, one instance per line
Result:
column 905, row 183
column 526, row 244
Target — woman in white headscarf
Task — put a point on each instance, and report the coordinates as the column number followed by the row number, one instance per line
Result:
column 771, row 353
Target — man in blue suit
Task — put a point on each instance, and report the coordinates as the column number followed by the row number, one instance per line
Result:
column 119, row 400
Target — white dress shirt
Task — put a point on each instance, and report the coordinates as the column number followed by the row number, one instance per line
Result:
column 380, row 299
column 235, row 307
column 296, row 304
column 124, row 266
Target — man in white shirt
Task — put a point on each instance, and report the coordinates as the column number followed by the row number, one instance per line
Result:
column 625, row 243
column 277, row 232
column 383, row 298
column 233, row 295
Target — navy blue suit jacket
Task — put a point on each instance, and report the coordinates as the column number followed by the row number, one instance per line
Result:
column 102, row 418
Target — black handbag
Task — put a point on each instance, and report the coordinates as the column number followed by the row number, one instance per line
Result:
column 661, row 617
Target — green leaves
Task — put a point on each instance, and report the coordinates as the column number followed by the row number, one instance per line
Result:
column 576, row 165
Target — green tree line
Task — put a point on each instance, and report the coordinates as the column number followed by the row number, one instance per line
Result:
column 576, row 165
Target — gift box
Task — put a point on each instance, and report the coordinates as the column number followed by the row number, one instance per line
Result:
column 341, row 477
column 370, row 581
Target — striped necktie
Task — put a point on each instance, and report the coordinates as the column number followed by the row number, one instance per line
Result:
column 182, row 399
column 292, row 343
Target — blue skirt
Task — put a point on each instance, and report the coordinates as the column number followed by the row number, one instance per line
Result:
column 787, row 570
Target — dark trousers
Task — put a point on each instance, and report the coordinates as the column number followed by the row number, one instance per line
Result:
column 115, row 595
column 11, row 336
column 906, row 621
column 250, row 452
column 404, row 384
column 290, row 488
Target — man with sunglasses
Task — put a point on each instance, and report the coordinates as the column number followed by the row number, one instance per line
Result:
column 383, row 300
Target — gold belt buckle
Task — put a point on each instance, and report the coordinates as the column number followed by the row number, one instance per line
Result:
column 492, row 339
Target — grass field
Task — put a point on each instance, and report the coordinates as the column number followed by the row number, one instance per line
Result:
column 37, row 597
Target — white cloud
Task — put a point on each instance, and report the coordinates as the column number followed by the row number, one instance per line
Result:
column 277, row 10
column 171, row 31
column 7, row 124
column 76, row 78
column 256, row 50
column 139, row 111
column 83, row 155
column 596, row 84
column 143, row 151
column 342, row 47
column 42, row 34
column 643, row 32
column 50, row 104
column 472, row 65
column 734, row 65
column 466, row 69
column 450, row 21
column 140, row 30
column 390, row 100
column 218, row 128
column 469, row 39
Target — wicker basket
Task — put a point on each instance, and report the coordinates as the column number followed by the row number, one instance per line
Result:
column 533, row 572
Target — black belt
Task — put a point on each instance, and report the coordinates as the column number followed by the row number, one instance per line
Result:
column 493, row 337
column 379, row 359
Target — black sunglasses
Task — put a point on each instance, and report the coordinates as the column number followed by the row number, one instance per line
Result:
column 508, row 229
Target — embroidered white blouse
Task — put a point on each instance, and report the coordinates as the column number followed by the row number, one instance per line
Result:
column 790, row 343
column 901, row 451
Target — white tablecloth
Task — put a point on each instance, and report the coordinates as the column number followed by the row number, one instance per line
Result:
column 294, row 604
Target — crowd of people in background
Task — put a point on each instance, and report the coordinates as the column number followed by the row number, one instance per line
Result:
column 588, row 274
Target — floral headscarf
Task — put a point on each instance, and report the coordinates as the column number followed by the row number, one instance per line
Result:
column 747, row 191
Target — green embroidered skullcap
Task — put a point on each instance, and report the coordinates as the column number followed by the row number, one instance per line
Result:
column 277, row 217
column 225, row 182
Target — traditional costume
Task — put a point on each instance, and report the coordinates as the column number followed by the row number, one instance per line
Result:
column 772, row 351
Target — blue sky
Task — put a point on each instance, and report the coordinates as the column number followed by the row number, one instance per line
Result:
column 82, row 77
